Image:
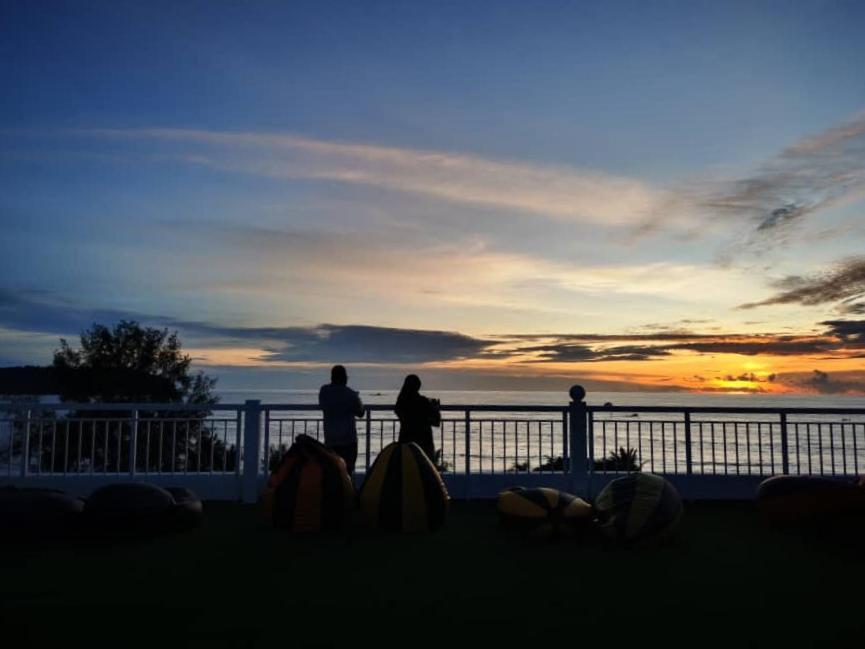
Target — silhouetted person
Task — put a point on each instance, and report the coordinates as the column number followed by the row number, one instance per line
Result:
column 417, row 415
column 340, row 405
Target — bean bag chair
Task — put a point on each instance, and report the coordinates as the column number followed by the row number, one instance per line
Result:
column 38, row 512
column 130, row 507
column 789, row 499
column 543, row 513
column 310, row 490
column 403, row 491
column 638, row 507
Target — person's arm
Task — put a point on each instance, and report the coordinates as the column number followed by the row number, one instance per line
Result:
column 435, row 413
column 359, row 409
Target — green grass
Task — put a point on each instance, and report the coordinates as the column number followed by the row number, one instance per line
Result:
column 726, row 578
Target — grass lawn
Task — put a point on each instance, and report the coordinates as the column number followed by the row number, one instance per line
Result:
column 726, row 578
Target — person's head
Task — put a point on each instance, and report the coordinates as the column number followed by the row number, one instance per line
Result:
column 410, row 386
column 338, row 375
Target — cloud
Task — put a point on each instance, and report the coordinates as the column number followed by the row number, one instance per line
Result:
column 843, row 282
column 809, row 176
column 851, row 332
column 39, row 311
column 352, row 343
column 552, row 191
column 572, row 353
column 824, row 383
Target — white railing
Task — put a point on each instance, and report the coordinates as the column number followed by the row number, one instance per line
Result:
column 225, row 450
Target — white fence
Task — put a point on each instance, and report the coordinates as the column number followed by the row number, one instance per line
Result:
column 225, row 451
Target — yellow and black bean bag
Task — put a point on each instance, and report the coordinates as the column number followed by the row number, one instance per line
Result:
column 403, row 491
column 638, row 507
column 793, row 499
column 543, row 513
column 310, row 489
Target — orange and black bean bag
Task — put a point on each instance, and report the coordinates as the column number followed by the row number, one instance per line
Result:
column 310, row 490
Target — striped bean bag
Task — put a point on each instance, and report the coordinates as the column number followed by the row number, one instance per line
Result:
column 638, row 507
column 542, row 513
column 403, row 491
column 310, row 490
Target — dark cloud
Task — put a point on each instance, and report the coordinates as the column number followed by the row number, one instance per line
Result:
column 845, row 281
column 782, row 216
column 568, row 352
column 750, row 377
column 850, row 332
column 775, row 346
column 824, row 383
column 360, row 343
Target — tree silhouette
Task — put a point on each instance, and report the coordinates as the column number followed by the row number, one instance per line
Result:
column 129, row 363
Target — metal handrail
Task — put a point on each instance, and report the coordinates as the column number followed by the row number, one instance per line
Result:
column 168, row 407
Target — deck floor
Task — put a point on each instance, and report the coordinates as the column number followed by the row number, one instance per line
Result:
column 725, row 579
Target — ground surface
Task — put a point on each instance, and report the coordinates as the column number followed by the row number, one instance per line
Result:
column 726, row 578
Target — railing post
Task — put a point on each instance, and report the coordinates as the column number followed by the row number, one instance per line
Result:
column 133, row 443
column 468, row 454
column 577, row 440
column 688, row 459
column 368, row 427
column 251, row 450
column 785, row 450
column 25, row 450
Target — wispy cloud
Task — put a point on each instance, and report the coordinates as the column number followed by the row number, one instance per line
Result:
column 844, row 282
column 557, row 192
column 811, row 175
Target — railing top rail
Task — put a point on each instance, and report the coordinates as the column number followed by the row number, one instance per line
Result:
column 730, row 410
column 379, row 407
column 309, row 407
column 12, row 406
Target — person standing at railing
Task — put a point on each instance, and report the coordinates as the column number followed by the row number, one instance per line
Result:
column 417, row 415
column 340, row 405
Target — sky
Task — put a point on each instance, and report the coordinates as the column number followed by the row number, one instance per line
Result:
column 628, row 195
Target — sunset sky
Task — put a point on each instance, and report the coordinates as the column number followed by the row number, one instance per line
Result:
column 522, row 195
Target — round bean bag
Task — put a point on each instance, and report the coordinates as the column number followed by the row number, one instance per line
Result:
column 27, row 512
column 403, row 491
column 130, row 507
column 310, row 490
column 188, row 510
column 788, row 499
column 638, row 507
column 543, row 513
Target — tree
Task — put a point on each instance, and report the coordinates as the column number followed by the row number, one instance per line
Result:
column 130, row 364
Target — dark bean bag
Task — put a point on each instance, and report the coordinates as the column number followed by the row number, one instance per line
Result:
column 130, row 507
column 188, row 511
column 789, row 499
column 43, row 512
